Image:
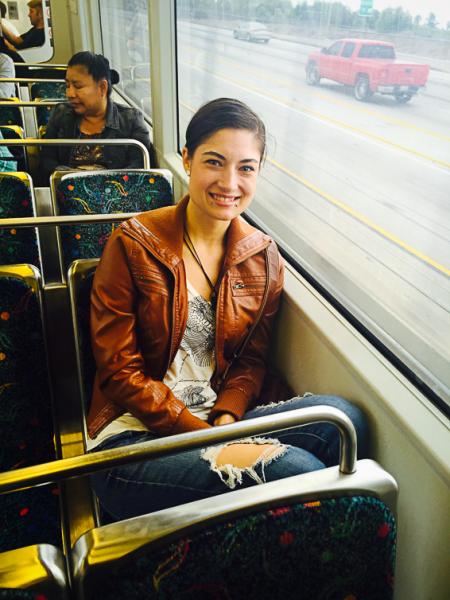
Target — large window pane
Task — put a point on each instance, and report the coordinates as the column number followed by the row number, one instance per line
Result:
column 124, row 25
column 358, row 175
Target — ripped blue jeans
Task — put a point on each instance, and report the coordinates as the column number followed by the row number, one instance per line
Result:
column 139, row 488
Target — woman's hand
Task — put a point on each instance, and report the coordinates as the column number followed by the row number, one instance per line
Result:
column 224, row 419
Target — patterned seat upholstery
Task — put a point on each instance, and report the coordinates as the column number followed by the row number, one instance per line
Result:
column 47, row 90
column 17, row 200
column 11, row 115
column 14, row 132
column 12, row 594
column 53, row 90
column 104, row 192
column 332, row 548
column 43, row 112
column 341, row 548
column 26, row 423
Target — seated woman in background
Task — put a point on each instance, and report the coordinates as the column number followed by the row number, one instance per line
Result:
column 176, row 292
column 90, row 113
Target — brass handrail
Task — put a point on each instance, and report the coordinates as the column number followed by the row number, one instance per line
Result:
column 30, row 79
column 78, row 142
column 19, row 222
column 96, row 461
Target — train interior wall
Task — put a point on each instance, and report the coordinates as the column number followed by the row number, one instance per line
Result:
column 320, row 352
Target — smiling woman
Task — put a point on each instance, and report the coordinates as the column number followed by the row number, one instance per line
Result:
column 91, row 113
column 162, row 371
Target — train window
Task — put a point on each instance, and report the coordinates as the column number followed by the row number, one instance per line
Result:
column 26, row 31
column 125, row 37
column 356, row 181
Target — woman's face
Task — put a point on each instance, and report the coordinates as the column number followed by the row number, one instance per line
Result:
column 223, row 173
column 86, row 96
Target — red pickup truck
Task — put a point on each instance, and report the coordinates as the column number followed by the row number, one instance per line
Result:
column 368, row 65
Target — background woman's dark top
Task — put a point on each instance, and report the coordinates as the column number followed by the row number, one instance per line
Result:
column 121, row 122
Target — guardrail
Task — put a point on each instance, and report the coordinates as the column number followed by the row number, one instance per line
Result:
column 96, row 461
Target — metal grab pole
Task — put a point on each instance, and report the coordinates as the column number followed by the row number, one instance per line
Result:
column 97, row 461
column 73, row 142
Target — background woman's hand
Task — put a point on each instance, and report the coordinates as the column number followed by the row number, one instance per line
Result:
column 224, row 419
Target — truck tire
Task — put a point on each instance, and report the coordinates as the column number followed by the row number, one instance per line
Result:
column 362, row 89
column 403, row 97
column 312, row 74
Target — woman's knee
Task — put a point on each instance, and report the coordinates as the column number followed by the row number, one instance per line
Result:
column 356, row 416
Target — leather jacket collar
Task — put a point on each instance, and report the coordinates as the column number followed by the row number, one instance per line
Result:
column 242, row 239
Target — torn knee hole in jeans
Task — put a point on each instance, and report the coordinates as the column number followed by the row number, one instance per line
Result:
column 232, row 475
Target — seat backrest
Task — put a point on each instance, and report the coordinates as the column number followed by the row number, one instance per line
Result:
column 11, row 115
column 53, row 90
column 80, row 279
column 43, row 112
column 104, row 192
column 26, row 421
column 303, row 537
column 14, row 132
column 17, row 200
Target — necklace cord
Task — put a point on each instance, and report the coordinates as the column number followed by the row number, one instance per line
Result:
column 190, row 246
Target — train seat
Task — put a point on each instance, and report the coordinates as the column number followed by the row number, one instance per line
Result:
column 318, row 535
column 103, row 192
column 17, row 200
column 48, row 90
column 29, row 519
column 80, row 279
column 11, row 115
column 43, row 112
column 14, row 132
column 304, row 537
column 33, row 573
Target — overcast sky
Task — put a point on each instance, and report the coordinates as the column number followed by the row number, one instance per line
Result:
column 441, row 8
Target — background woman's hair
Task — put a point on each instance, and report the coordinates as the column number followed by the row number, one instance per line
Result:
column 97, row 66
column 223, row 113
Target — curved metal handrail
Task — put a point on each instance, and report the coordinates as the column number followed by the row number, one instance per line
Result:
column 25, row 103
column 42, row 65
column 31, row 80
column 78, row 142
column 19, row 222
column 97, row 461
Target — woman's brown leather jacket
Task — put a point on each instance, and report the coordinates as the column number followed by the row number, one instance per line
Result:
column 139, row 307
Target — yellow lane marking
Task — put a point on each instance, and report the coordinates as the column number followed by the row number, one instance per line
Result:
column 323, row 117
column 386, row 118
column 360, row 217
column 337, row 102
column 354, row 213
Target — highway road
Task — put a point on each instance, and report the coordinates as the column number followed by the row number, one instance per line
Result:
column 359, row 191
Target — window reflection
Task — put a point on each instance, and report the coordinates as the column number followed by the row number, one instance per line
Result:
column 356, row 181
column 126, row 44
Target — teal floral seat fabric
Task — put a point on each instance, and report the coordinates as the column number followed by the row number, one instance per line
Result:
column 43, row 113
column 17, row 245
column 20, row 163
column 47, row 90
column 12, row 594
column 54, row 90
column 102, row 193
column 332, row 549
column 10, row 115
column 26, row 425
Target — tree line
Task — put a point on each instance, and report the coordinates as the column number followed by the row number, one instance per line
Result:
column 317, row 14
